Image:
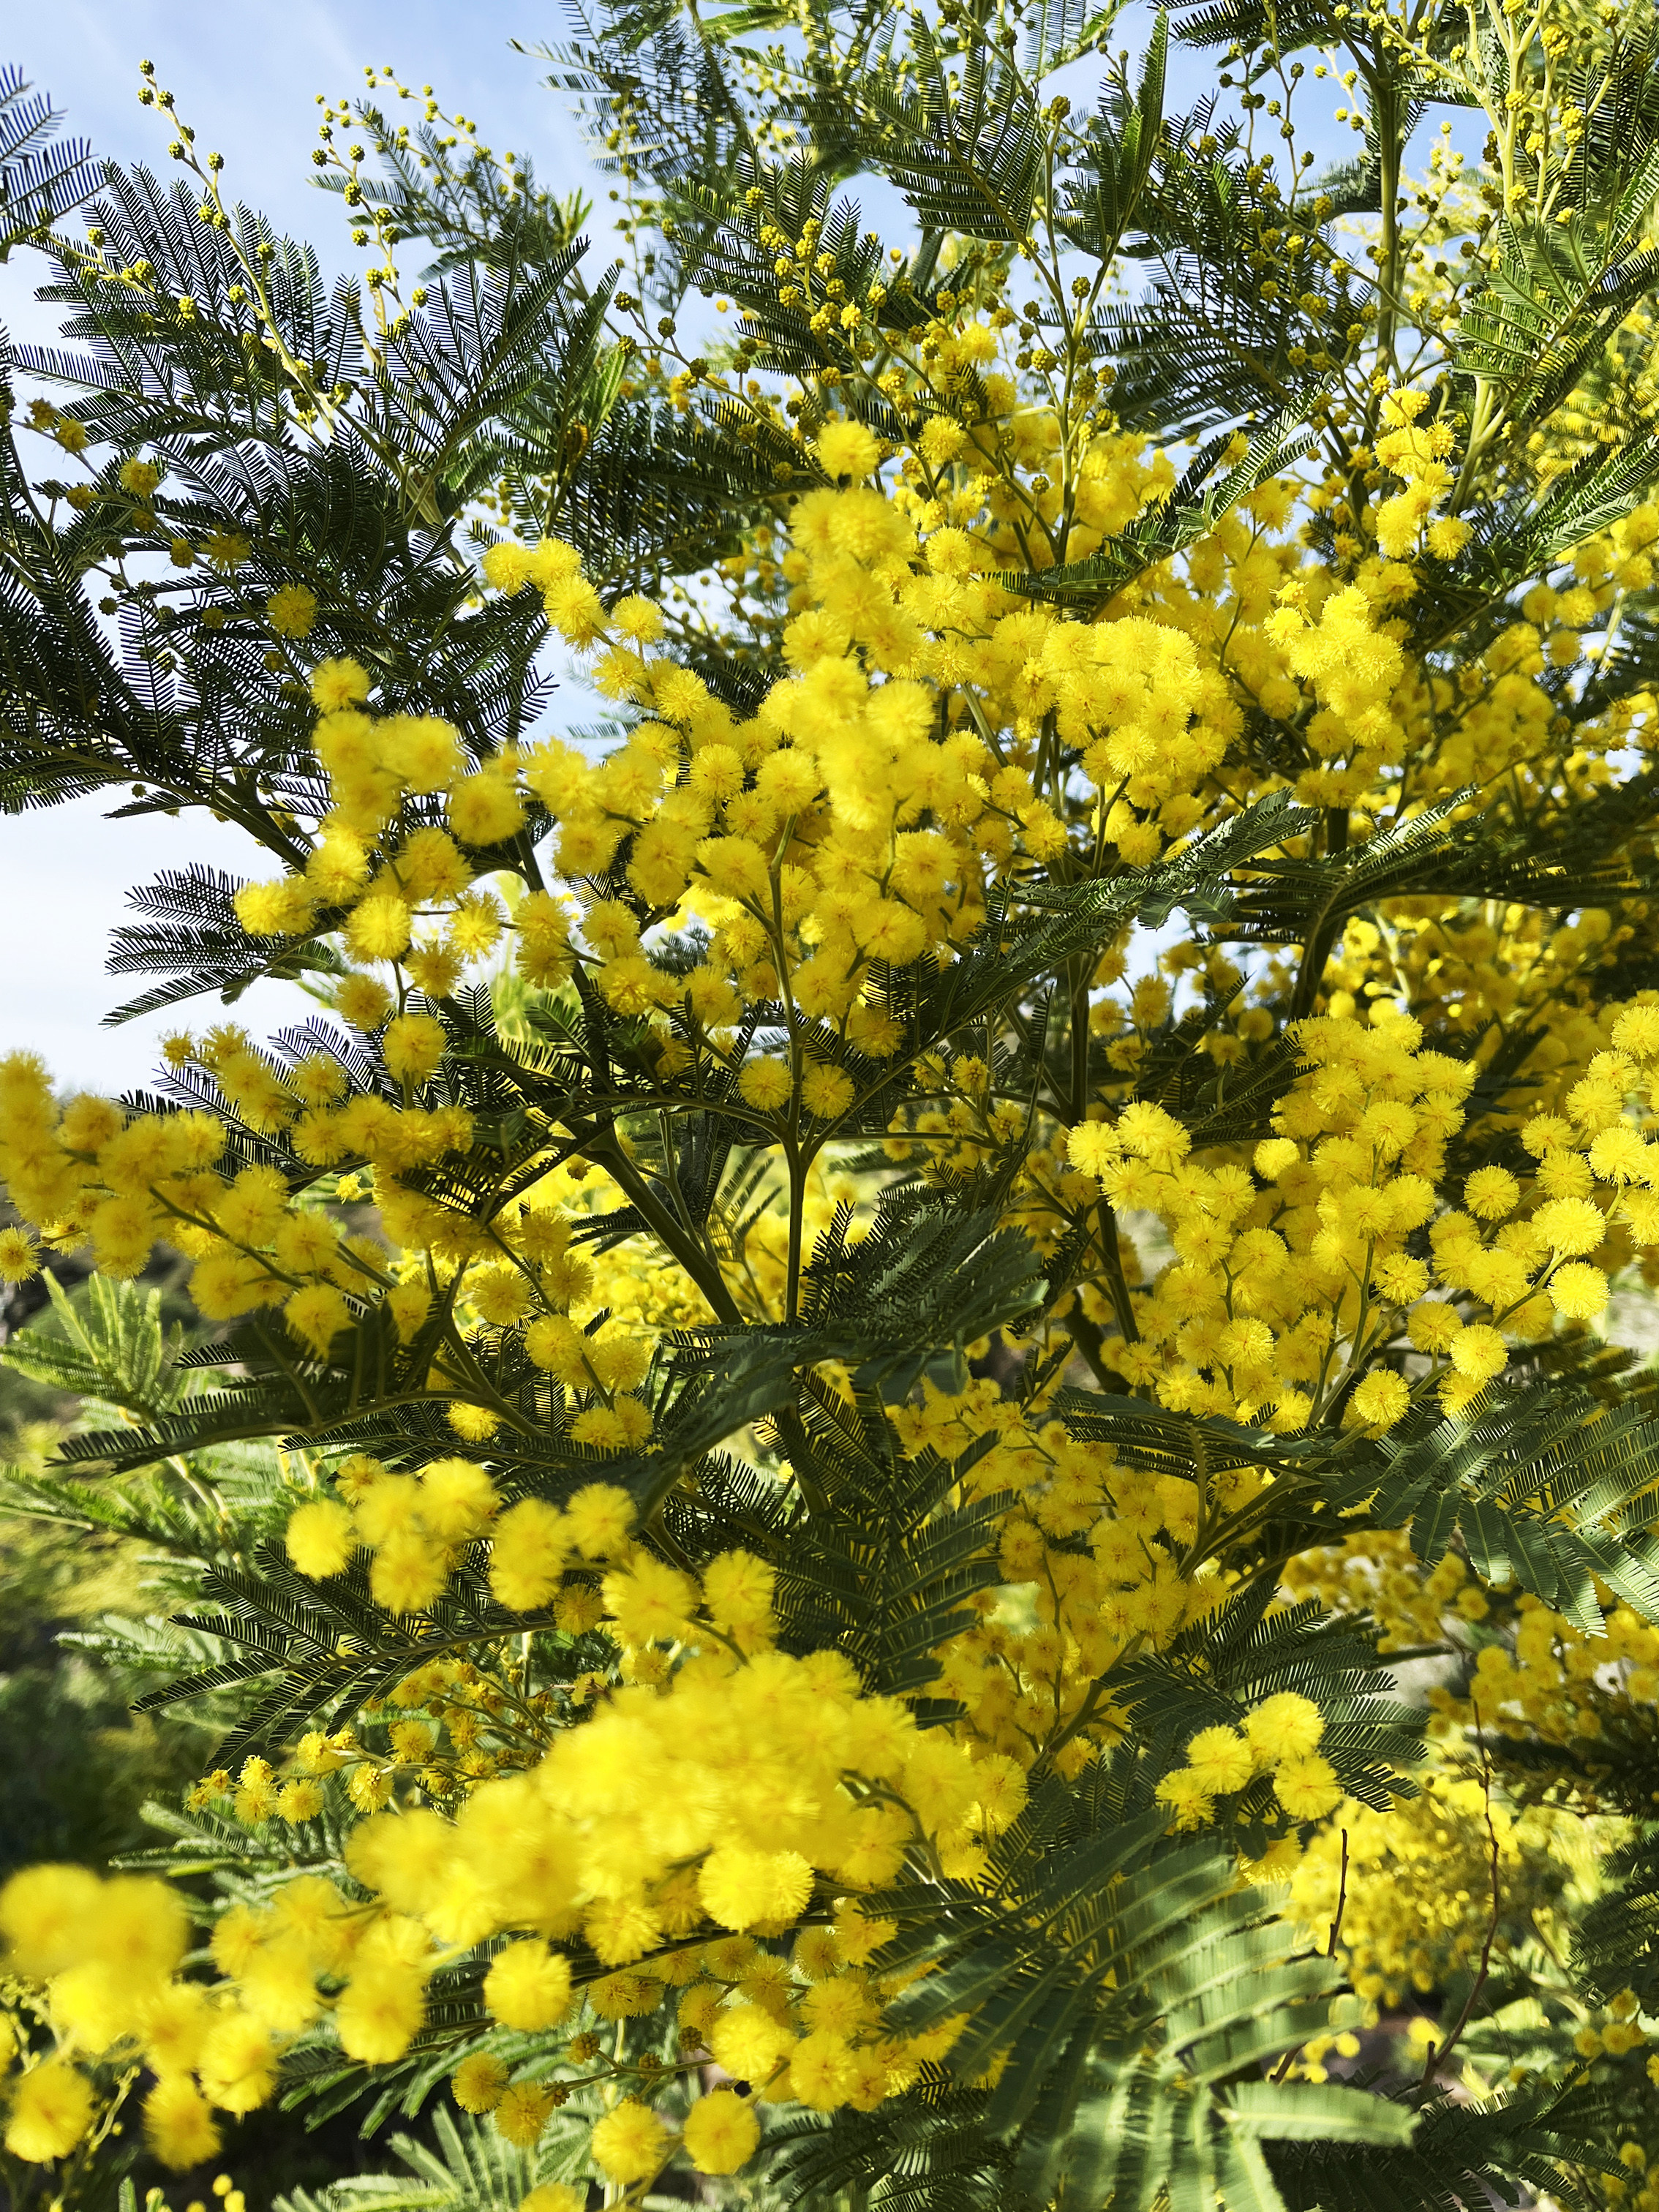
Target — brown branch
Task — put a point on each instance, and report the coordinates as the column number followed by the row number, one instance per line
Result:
column 1341, row 1901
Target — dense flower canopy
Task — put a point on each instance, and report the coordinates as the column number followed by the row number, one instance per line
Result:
column 951, row 1482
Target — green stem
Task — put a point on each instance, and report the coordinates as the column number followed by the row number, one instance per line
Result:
column 693, row 1255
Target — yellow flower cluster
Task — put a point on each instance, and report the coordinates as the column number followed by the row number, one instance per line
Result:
column 1286, row 1300
column 1281, row 1735
column 1558, row 1682
column 1418, row 1899
column 752, row 1793
column 1420, row 457
column 943, row 749
column 108, row 1954
column 852, row 824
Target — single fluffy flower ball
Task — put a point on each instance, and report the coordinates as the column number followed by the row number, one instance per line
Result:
column 1287, row 1726
column 765, row 1084
column 629, row 2143
column 1381, row 1399
column 848, row 449
column 721, row 2132
column 1308, row 1788
column 522, row 2113
column 320, row 1539
column 1578, row 1291
column 1221, row 1759
column 528, row 1987
column 479, row 2083
column 292, row 610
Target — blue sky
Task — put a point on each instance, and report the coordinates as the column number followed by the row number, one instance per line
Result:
column 246, row 74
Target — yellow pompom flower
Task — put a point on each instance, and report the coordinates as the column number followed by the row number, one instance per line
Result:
column 1491, row 1193
column 575, row 610
column 320, row 1539
column 942, row 440
column 317, row 1314
column 228, row 549
column 522, row 2113
column 485, row 809
column 602, row 1426
column 721, row 2132
column 1189, row 1801
column 1381, row 1399
column 631, row 2143
column 134, row 1927
column 51, row 2109
column 742, row 1887
column 560, row 1347
column 1434, row 1325
column 649, row 1602
column 554, row 2196
column 409, row 1572
column 598, row 1517
column 1220, row 1758
column 292, row 611
column 1479, row 1352
column 479, row 2082
column 1307, row 1787
column 17, row 1257
column 766, row 1085
column 821, row 2073
column 380, row 2012
column 379, row 929
column 408, row 1304
column 413, row 1045
column 738, row 1591
column 1578, row 1291
column 527, row 1556
column 238, row 2067
column 1093, row 1146
column 847, row 448
column 281, row 908
column 826, row 1091
column 508, row 566
column 458, row 1501
column 300, row 1801
column 528, row 1986
column 179, row 2123
column 1447, row 536
column 1284, row 1726
column 749, row 2041
column 1570, row 1226
column 1622, row 1155
column 1637, row 1032
column 338, row 684
column 1001, row 1790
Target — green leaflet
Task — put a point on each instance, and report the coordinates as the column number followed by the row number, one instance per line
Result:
column 467, row 2168
column 1546, row 1491
column 42, row 177
column 1125, row 1994
column 1459, row 2150
column 1616, row 1946
column 113, row 1350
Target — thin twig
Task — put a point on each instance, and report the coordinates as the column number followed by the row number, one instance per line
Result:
column 1437, row 2055
column 1289, row 2059
column 1342, row 1901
